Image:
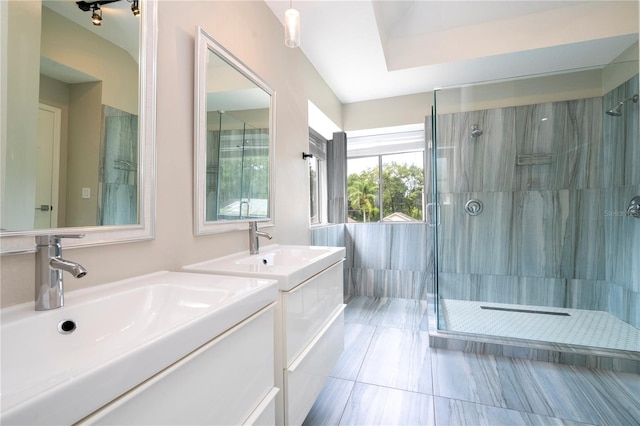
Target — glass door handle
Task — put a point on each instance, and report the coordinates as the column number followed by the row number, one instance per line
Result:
column 430, row 214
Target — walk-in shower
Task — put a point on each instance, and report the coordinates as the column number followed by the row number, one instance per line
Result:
column 616, row 111
column 550, row 256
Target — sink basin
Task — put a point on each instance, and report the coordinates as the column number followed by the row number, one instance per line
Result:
column 290, row 265
column 59, row 366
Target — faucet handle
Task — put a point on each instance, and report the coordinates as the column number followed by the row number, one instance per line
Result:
column 47, row 240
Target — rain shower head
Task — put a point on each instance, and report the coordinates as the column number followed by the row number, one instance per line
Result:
column 616, row 111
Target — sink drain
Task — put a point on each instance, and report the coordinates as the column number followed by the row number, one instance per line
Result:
column 66, row 326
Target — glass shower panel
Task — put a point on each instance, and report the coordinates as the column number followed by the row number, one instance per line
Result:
column 119, row 168
column 532, row 188
column 237, row 169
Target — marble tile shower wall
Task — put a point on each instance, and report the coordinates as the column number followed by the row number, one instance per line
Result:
column 383, row 260
column 555, row 180
column 621, row 137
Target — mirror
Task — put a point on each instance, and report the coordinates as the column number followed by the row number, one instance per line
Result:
column 78, row 139
column 234, row 134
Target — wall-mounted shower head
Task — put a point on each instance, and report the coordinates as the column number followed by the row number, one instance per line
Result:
column 616, row 111
column 475, row 131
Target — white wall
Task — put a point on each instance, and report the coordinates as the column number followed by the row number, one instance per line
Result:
column 18, row 165
column 412, row 109
column 251, row 31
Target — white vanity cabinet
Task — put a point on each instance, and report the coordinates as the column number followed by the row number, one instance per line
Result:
column 228, row 381
column 311, row 320
column 309, row 316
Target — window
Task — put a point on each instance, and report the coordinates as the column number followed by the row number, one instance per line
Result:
column 385, row 178
column 317, row 178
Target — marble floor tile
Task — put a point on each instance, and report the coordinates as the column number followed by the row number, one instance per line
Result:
column 456, row 412
column 376, row 405
column 572, row 393
column 361, row 309
column 388, row 312
column 400, row 381
column 328, row 408
column 357, row 338
column 399, row 359
column 590, row 395
column 404, row 313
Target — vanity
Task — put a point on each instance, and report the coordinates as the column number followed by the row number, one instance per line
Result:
column 163, row 348
column 309, row 316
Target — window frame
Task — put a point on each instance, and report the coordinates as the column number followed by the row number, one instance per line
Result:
column 318, row 148
column 406, row 147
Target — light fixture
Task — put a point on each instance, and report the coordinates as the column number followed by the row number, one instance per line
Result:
column 96, row 16
column 291, row 27
column 135, row 9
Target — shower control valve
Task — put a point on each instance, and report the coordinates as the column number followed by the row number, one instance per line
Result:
column 474, row 207
column 634, row 207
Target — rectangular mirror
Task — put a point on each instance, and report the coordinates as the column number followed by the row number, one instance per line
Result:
column 78, row 101
column 234, row 141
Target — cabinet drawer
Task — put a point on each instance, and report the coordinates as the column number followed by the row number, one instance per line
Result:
column 221, row 383
column 265, row 413
column 307, row 307
column 306, row 376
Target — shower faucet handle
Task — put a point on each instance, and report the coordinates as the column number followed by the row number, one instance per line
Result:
column 634, row 207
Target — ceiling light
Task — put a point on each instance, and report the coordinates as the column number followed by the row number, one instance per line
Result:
column 96, row 16
column 291, row 27
column 135, row 9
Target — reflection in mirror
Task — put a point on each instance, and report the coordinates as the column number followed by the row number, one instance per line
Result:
column 234, row 134
column 237, row 168
column 80, row 121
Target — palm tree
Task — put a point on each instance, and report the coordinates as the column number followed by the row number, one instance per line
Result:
column 361, row 194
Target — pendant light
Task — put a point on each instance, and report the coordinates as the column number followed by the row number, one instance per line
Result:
column 291, row 27
column 96, row 15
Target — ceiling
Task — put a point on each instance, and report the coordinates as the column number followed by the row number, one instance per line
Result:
column 119, row 27
column 368, row 49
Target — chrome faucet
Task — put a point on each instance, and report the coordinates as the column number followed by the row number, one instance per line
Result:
column 254, row 234
column 49, row 267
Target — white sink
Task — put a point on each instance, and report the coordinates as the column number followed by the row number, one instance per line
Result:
column 288, row 264
column 125, row 332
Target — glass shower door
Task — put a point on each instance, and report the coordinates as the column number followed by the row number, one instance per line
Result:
column 532, row 236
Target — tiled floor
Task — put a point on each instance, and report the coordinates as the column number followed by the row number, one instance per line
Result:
column 388, row 375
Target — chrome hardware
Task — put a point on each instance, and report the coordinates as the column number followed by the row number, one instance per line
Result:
column 49, row 292
column 533, row 159
column 44, row 208
column 254, row 234
column 431, row 214
column 634, row 207
column 474, row 207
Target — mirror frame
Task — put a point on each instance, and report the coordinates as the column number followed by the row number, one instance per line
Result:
column 17, row 242
column 204, row 44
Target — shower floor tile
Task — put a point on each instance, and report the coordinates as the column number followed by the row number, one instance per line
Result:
column 551, row 324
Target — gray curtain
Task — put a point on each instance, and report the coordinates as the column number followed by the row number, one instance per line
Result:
column 337, row 178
